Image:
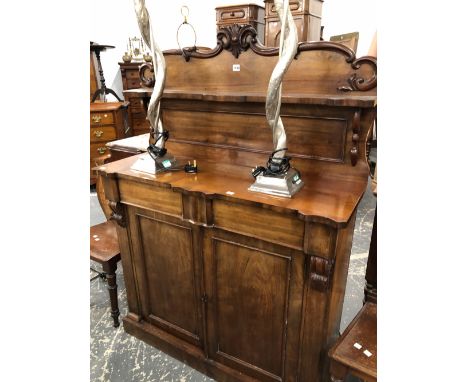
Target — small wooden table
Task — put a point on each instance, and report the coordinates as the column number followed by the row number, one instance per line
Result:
column 346, row 356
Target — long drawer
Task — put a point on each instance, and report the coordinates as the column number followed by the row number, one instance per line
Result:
column 98, row 149
column 102, row 134
column 133, row 83
column 101, row 118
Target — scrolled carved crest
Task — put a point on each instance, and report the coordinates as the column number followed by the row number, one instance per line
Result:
column 358, row 83
column 239, row 38
column 236, row 38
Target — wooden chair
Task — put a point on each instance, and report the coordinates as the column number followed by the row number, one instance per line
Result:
column 356, row 350
column 348, row 355
column 105, row 250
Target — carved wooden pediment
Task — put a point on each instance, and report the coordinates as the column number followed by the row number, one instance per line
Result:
column 238, row 39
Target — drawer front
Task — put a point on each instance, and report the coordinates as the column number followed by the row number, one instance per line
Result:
column 260, row 223
column 104, row 133
column 133, row 83
column 159, row 199
column 98, row 149
column 141, row 124
column 137, row 105
column 234, row 14
column 294, row 6
column 132, row 74
column 101, row 118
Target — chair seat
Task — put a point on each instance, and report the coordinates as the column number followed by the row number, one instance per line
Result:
column 104, row 242
column 362, row 331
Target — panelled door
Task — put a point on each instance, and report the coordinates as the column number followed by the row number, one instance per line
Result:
column 254, row 305
column 167, row 264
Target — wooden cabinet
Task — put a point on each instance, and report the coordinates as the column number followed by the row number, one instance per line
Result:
column 137, row 108
column 307, row 16
column 242, row 14
column 240, row 285
column 107, row 123
column 255, row 302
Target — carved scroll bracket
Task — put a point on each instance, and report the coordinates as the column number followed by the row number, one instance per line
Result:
column 356, row 126
column 357, row 83
column 320, row 273
column 236, row 38
column 118, row 213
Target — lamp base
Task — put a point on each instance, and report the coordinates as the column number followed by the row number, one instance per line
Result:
column 165, row 163
column 145, row 163
column 285, row 185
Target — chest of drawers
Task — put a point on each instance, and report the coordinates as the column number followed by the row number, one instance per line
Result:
column 307, row 15
column 242, row 14
column 137, row 108
column 107, row 123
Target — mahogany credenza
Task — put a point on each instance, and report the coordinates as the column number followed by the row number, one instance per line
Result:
column 240, row 285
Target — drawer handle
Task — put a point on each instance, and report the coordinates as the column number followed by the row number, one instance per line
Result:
column 98, row 133
column 96, row 118
column 101, row 150
column 232, row 14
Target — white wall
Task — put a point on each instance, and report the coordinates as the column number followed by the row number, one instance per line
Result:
column 114, row 21
column 345, row 16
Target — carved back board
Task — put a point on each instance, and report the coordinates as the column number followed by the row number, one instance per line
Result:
column 214, row 103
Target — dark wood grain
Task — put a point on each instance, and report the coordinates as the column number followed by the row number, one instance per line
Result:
column 251, row 14
column 244, row 286
column 106, row 124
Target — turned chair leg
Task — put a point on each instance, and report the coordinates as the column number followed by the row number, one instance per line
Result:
column 110, row 269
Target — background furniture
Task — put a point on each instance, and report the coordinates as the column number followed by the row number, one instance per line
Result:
column 103, row 90
column 348, row 39
column 370, row 290
column 307, row 15
column 240, row 285
column 93, row 82
column 107, row 123
column 242, row 14
column 124, row 148
column 347, row 358
column 104, row 249
column 137, row 108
